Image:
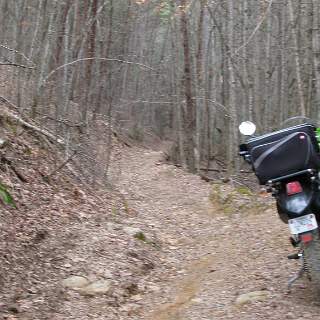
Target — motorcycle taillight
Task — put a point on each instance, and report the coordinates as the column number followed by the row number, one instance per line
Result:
column 293, row 188
column 307, row 237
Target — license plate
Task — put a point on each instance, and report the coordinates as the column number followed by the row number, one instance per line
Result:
column 303, row 224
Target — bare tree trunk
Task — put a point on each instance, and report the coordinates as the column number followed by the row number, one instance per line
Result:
column 208, row 86
column 233, row 135
column 247, row 63
column 178, row 99
column 20, row 9
column 200, row 89
column 44, row 60
column 282, row 65
column 297, row 59
column 268, row 74
column 316, row 55
column 190, row 114
column 92, row 10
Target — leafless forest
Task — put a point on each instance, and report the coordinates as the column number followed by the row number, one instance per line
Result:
column 94, row 222
column 188, row 71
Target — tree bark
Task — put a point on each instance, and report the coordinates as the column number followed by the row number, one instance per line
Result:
column 190, row 113
column 316, row 55
column 297, row 59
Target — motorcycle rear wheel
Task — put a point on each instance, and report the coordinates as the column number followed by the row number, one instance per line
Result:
column 311, row 254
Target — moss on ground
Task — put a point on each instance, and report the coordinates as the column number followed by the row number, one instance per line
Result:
column 230, row 200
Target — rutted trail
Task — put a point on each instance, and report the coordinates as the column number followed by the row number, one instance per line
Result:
column 209, row 258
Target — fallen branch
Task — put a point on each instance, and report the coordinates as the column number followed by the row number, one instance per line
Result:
column 206, row 178
column 213, row 170
column 47, row 177
column 7, row 161
column 122, row 139
column 204, row 169
column 221, row 170
column 8, row 103
column 32, row 127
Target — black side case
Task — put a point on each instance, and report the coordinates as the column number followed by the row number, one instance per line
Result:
column 283, row 152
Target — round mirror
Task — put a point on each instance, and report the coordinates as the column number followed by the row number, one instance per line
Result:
column 247, row 128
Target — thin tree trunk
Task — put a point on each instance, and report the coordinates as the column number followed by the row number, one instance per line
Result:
column 316, row 55
column 190, row 114
column 200, row 89
column 247, row 63
column 297, row 59
column 233, row 135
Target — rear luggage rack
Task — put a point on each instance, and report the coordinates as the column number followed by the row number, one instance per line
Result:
column 307, row 171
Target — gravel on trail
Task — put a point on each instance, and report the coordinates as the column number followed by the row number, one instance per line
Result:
column 155, row 246
column 214, row 265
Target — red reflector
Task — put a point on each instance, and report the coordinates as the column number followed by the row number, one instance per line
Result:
column 305, row 238
column 293, row 188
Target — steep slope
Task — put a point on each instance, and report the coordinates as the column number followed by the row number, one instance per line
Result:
column 62, row 227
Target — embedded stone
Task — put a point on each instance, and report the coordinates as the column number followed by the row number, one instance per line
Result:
column 75, row 282
column 251, row 297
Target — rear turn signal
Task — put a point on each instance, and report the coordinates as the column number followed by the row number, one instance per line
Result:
column 307, row 237
column 293, row 188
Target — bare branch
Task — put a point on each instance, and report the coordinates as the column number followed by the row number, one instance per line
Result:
column 17, row 52
column 15, row 65
column 263, row 18
column 224, row 108
column 94, row 58
column 231, row 54
column 146, row 101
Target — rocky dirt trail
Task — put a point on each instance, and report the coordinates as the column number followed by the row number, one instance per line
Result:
column 156, row 246
column 213, row 265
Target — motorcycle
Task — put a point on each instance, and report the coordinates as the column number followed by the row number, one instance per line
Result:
column 287, row 162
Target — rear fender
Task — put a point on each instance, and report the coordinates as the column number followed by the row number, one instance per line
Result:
column 295, row 205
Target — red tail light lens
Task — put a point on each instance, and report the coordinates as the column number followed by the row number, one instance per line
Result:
column 293, row 188
column 307, row 237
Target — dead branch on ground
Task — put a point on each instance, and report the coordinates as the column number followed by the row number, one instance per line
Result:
column 56, row 170
column 7, row 161
column 9, row 115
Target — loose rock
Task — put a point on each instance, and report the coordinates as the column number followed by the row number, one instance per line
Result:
column 96, row 288
column 132, row 231
column 75, row 282
column 2, row 143
column 252, row 296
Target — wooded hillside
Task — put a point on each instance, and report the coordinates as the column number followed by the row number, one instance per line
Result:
column 95, row 97
column 189, row 71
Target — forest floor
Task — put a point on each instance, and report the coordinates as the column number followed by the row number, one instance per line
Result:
column 157, row 246
column 211, row 258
